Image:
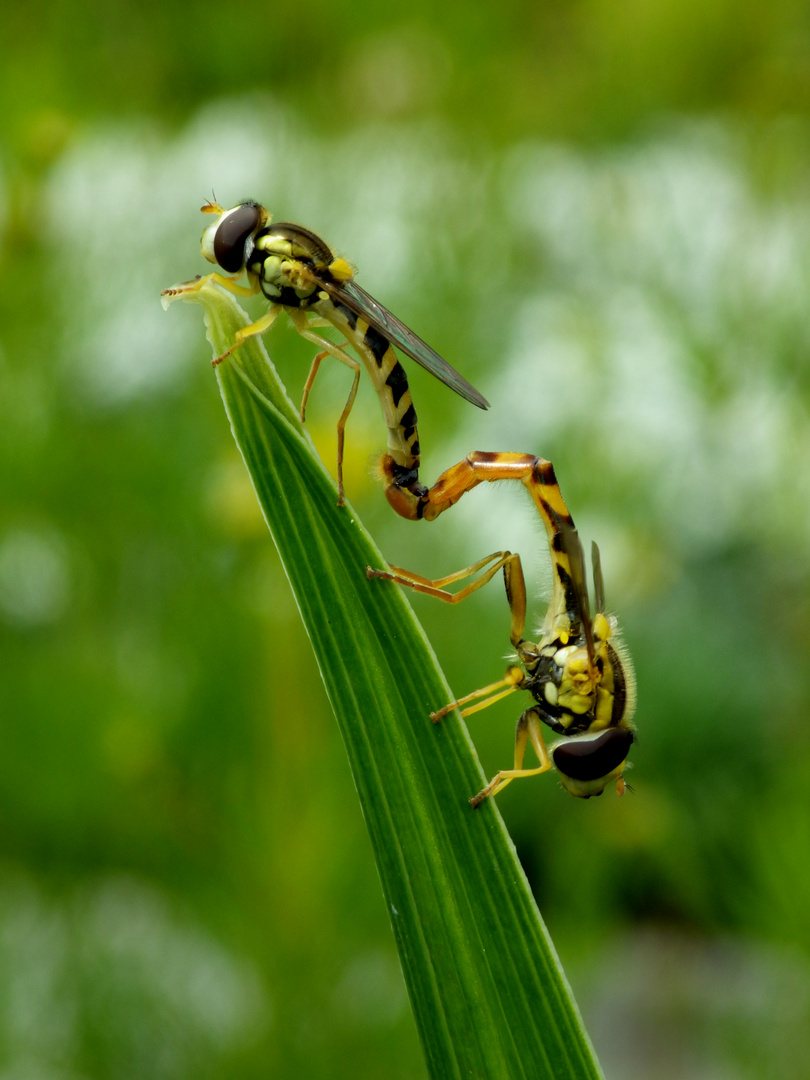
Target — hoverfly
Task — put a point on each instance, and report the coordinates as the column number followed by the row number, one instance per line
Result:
column 581, row 680
column 298, row 273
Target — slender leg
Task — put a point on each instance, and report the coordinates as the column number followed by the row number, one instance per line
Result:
column 512, row 575
column 229, row 283
column 313, row 371
column 512, row 680
column 528, row 728
column 515, row 593
column 259, row 327
column 301, row 324
column 434, row 587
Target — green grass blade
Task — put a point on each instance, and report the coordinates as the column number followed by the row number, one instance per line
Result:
column 487, row 990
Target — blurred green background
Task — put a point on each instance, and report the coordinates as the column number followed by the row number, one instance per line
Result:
column 600, row 214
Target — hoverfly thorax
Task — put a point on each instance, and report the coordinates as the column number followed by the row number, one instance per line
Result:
column 564, row 682
column 229, row 241
column 583, row 691
column 599, row 738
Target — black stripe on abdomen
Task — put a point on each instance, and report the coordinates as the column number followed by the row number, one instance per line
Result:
column 378, row 344
column 408, row 421
column 397, row 381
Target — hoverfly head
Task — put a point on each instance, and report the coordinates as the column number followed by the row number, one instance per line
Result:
column 229, row 240
column 587, row 763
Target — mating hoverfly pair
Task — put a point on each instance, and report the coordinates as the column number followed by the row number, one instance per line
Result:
column 580, row 679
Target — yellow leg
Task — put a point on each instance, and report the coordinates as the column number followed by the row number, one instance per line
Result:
column 512, row 575
column 313, row 371
column 434, row 587
column 516, row 594
column 512, row 680
column 259, row 327
column 229, row 283
column 528, row 728
column 301, row 324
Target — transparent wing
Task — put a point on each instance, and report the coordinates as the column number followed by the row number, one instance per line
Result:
column 598, row 580
column 572, row 546
column 381, row 319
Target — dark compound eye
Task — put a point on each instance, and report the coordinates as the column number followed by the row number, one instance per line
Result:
column 232, row 234
column 591, row 759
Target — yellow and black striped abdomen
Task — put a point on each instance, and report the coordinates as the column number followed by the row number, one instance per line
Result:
column 400, row 464
column 391, row 384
